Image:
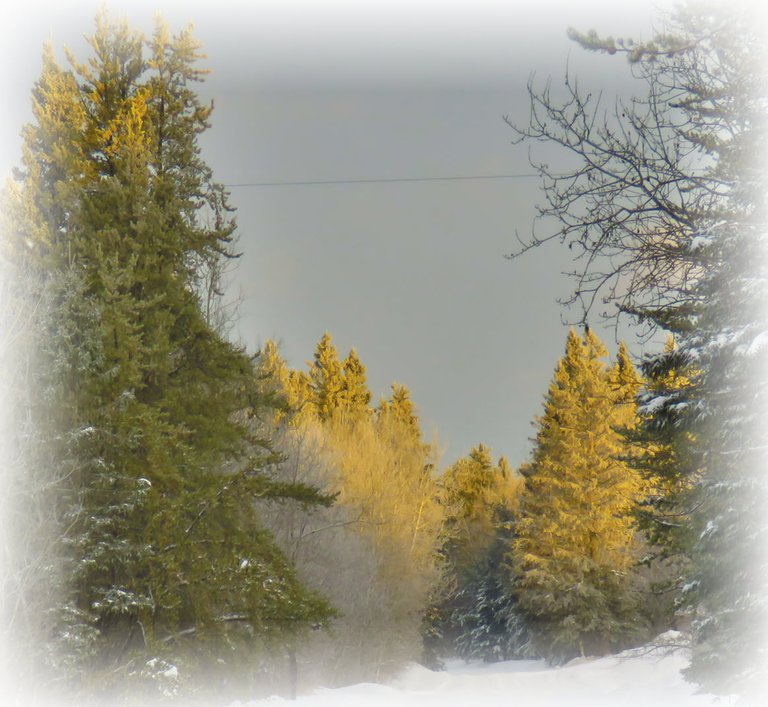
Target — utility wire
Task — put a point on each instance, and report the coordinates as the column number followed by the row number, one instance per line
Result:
column 382, row 180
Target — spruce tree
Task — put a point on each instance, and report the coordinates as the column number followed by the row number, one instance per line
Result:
column 575, row 538
column 666, row 452
column 662, row 453
column 475, row 615
column 399, row 406
column 355, row 396
column 168, row 565
column 326, row 380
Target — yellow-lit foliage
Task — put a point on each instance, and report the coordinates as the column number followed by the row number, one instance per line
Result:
column 475, row 492
column 385, row 473
column 625, row 383
column 326, row 378
column 385, row 483
column 381, row 537
column 577, row 538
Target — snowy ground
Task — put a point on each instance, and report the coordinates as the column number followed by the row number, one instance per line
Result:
column 648, row 677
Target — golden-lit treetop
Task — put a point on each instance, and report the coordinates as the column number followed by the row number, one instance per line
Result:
column 576, row 535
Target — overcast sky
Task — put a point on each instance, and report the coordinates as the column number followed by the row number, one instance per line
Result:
column 411, row 273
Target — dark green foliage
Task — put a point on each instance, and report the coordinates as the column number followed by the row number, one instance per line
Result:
column 490, row 625
column 168, row 564
column 665, row 452
column 475, row 616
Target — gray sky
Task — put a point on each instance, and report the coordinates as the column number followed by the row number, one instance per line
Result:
column 411, row 273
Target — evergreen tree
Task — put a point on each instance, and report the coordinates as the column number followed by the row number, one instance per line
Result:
column 401, row 407
column 332, row 390
column 575, row 539
column 168, row 564
column 490, row 625
column 326, row 378
column 472, row 487
column 662, row 455
column 626, row 383
column 666, row 452
column 475, row 616
column 355, row 396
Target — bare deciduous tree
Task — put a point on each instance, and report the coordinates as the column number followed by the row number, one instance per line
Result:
column 665, row 212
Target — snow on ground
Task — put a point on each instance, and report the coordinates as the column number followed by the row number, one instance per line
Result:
column 645, row 677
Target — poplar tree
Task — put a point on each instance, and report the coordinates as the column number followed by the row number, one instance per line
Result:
column 383, row 531
column 167, row 565
column 575, row 539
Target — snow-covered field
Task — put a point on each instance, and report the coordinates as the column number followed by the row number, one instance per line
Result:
column 647, row 677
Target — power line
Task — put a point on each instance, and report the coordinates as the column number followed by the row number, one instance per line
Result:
column 382, row 180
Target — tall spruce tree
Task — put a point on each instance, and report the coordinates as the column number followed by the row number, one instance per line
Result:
column 575, row 538
column 169, row 568
column 333, row 390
